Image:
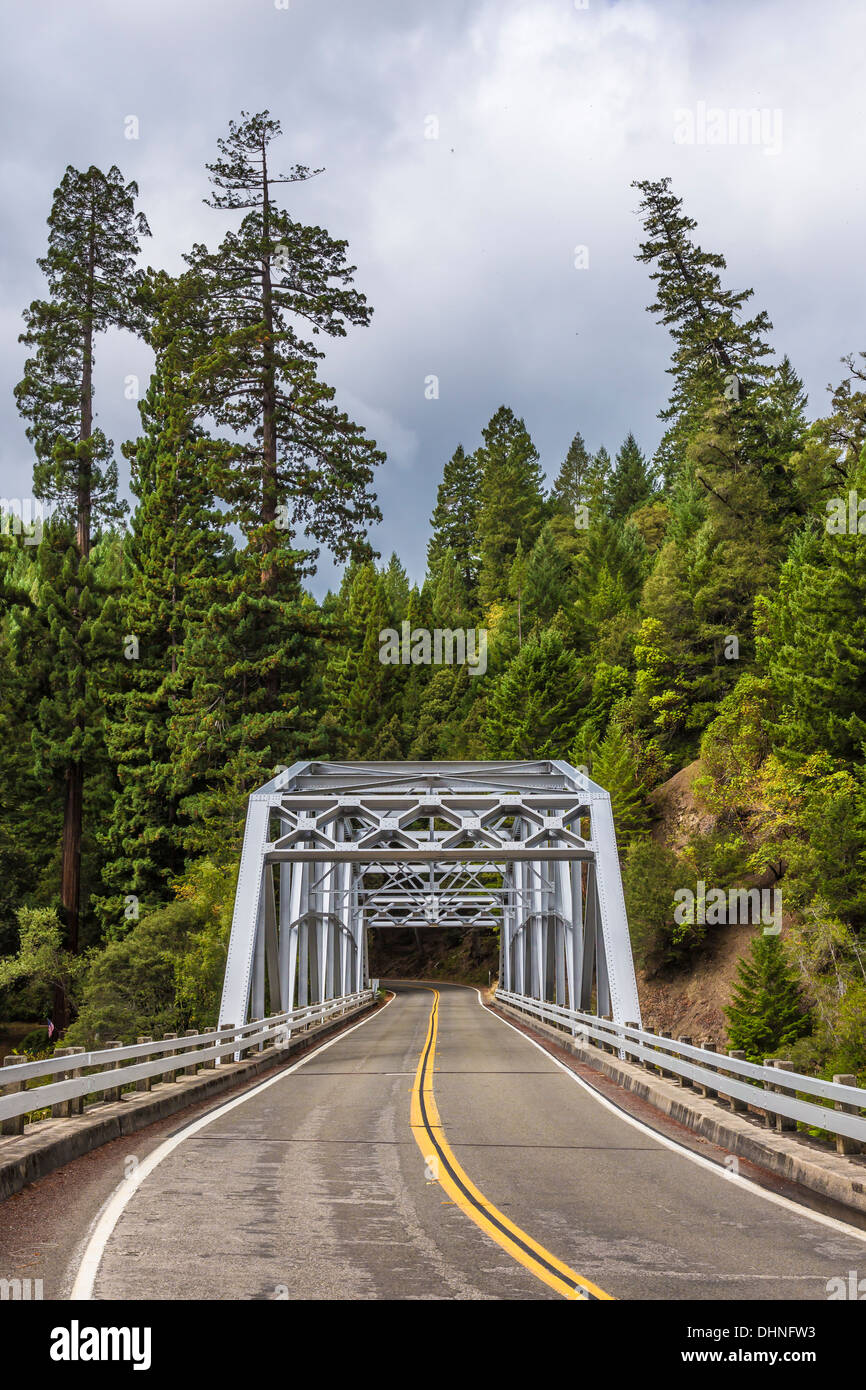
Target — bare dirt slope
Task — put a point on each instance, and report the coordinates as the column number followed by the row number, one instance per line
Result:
column 691, row 1001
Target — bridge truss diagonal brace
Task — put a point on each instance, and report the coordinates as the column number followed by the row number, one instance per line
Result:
column 247, row 931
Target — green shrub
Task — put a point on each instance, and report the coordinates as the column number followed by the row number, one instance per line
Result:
column 651, row 875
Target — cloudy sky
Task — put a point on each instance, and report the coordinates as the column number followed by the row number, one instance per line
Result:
column 465, row 244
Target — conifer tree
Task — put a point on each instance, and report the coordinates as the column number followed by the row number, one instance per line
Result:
column 766, row 1013
column 719, row 354
column 358, row 684
column 812, row 640
column 177, row 545
column 512, row 502
column 598, row 484
column 570, row 487
column 30, row 813
column 93, row 242
column 446, row 724
column 533, row 709
column 516, row 587
column 299, row 462
column 76, row 624
column 614, row 767
column 450, row 601
column 734, row 420
column 455, row 519
column 630, row 484
column 613, row 554
column 549, row 580
column 241, row 320
column 396, row 589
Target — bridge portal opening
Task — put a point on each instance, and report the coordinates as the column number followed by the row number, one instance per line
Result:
column 524, row 849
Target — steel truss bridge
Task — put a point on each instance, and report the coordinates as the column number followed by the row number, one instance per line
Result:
column 527, row 848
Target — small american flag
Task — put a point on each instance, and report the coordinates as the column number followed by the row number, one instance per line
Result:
column 51, row 1030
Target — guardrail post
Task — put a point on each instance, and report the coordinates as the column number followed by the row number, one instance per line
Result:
column 685, row 1080
column 207, row 1066
column 662, row 1070
column 254, row 1047
column 114, row 1093
column 769, row 1115
column 629, row 1057
column 14, row 1125
column 145, row 1082
column 738, row 1107
column 76, row 1104
column 169, row 1052
column 224, row 1060
column 784, row 1122
column 62, row 1109
column 708, row 1092
column 59, row 1111
column 190, row 1070
column 844, row 1145
column 649, row 1027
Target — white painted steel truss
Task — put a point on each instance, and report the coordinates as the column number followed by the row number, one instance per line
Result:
column 527, row 848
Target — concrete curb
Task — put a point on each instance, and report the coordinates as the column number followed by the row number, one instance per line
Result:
column 832, row 1175
column 50, row 1144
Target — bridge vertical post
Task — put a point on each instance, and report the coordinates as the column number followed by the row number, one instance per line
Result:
column 359, row 932
column 518, row 941
column 536, row 963
column 548, row 937
column 576, row 918
column 327, row 924
column 362, row 930
column 316, row 941
column 589, row 936
column 602, row 976
column 290, row 898
column 562, row 908
column 303, row 937
column 272, row 953
column 506, row 930
column 257, row 1001
column 343, row 912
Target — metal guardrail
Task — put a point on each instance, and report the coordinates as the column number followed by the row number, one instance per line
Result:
column 108, row 1069
column 778, row 1094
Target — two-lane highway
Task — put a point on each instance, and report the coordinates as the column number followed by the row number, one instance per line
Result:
column 434, row 1152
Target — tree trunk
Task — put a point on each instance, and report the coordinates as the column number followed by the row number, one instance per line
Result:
column 70, row 876
column 83, row 490
column 270, row 497
column 70, row 871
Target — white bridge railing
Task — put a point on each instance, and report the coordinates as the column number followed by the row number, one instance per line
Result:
column 772, row 1089
column 114, row 1066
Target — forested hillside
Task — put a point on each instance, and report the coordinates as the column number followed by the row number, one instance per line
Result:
column 636, row 614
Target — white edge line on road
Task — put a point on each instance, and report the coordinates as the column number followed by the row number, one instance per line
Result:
column 725, row 1173
column 108, row 1217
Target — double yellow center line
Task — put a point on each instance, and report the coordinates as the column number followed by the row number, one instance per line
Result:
column 430, row 1138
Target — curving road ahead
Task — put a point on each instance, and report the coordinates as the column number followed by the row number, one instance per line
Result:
column 434, row 1152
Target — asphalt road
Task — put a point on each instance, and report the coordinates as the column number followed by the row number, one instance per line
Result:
column 433, row 1152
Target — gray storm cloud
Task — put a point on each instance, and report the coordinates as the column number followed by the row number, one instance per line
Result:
column 470, row 149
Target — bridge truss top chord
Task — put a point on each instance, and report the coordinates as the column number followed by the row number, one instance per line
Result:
column 333, row 848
